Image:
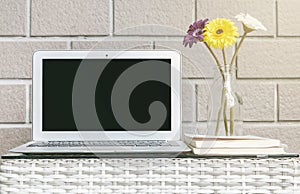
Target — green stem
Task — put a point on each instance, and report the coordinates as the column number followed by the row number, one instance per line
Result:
column 225, row 117
column 225, row 103
column 231, row 120
column 224, row 56
column 237, row 50
column 216, row 59
column 230, row 71
column 220, row 111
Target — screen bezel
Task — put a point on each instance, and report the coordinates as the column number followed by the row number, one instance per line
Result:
column 40, row 135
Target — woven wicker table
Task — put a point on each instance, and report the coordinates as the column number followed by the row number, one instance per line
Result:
column 130, row 174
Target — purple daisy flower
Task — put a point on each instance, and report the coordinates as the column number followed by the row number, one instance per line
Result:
column 195, row 33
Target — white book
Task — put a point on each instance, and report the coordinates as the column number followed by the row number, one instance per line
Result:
column 238, row 151
column 231, row 142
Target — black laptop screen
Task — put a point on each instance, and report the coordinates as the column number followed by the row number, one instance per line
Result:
column 110, row 95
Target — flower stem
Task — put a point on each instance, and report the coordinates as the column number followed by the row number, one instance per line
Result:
column 216, row 59
column 237, row 50
column 225, row 103
column 220, row 111
column 225, row 117
column 224, row 56
column 230, row 71
column 231, row 120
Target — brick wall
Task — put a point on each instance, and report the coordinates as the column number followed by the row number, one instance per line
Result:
column 268, row 64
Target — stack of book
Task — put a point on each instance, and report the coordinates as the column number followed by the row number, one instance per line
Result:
column 234, row 145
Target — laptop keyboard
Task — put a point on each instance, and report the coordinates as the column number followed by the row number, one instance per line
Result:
column 146, row 143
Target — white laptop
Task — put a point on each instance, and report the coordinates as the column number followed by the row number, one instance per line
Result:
column 106, row 102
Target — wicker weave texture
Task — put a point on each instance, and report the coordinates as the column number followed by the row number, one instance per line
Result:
column 150, row 176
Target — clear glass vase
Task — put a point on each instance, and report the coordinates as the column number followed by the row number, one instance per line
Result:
column 224, row 105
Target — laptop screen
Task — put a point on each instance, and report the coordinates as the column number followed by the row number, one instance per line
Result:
column 109, row 95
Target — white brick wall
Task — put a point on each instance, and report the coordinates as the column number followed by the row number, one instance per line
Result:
column 264, row 10
column 268, row 64
column 288, row 18
column 265, row 58
column 289, row 101
column 16, row 56
column 12, row 103
column 154, row 17
column 13, row 17
column 65, row 18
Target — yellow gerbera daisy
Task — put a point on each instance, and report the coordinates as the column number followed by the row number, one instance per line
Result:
column 220, row 32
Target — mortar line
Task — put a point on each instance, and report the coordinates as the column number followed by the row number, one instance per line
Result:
column 195, row 10
column 15, row 125
column 276, row 118
column 195, row 100
column 184, row 79
column 270, row 80
column 270, row 124
column 277, row 103
column 28, row 26
column 128, row 38
column 111, row 18
column 27, row 104
column 249, row 123
column 276, row 19
column 15, row 81
column 249, row 81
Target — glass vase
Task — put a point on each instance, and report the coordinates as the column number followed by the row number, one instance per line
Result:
column 225, row 104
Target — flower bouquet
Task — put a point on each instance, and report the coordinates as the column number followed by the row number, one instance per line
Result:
column 218, row 34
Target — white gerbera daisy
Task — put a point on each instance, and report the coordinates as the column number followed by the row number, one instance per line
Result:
column 250, row 23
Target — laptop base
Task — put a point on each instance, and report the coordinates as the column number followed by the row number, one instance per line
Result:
column 178, row 147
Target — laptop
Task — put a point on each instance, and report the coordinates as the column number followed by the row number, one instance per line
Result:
column 106, row 102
